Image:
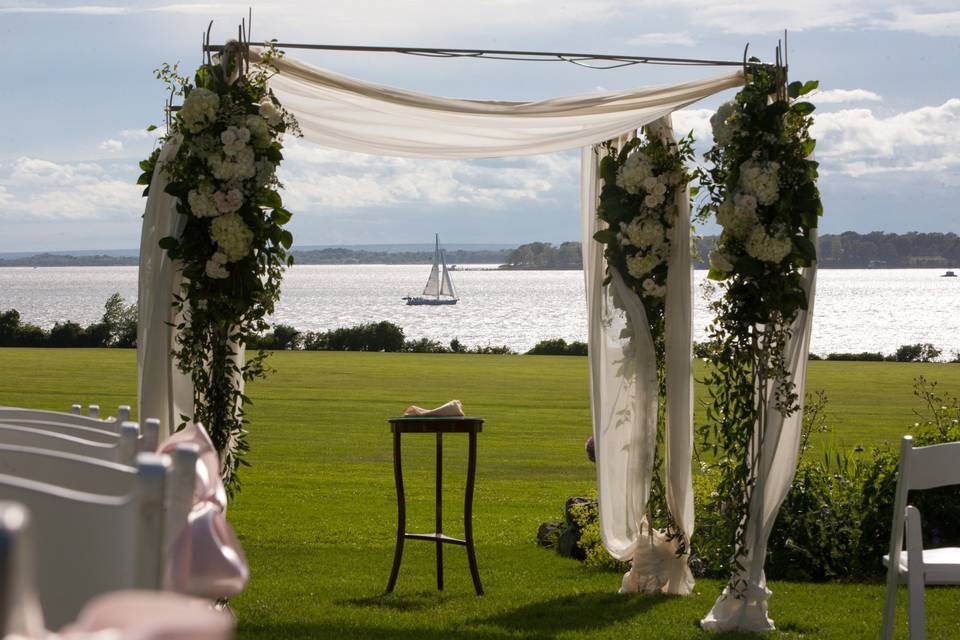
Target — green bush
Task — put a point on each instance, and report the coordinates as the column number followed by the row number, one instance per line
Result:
column 924, row 352
column 372, row 336
column 866, row 356
column 558, row 347
column 835, row 521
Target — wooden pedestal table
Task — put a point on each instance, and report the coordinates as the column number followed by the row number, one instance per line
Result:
column 438, row 425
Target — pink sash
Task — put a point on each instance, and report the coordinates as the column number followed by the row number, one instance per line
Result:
column 206, row 559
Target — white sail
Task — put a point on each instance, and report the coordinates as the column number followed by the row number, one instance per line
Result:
column 433, row 282
column 446, row 285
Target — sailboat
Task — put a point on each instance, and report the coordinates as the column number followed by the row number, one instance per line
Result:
column 439, row 289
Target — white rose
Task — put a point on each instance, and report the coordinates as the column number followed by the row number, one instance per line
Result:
column 270, row 113
column 652, row 200
column 651, row 288
column 659, row 189
column 228, row 202
column 650, row 183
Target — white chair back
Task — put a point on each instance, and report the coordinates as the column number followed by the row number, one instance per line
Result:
column 86, row 433
column 123, row 450
column 920, row 468
column 91, row 543
column 20, row 612
column 14, row 414
column 67, row 470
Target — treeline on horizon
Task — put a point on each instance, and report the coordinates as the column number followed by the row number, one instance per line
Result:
column 848, row 250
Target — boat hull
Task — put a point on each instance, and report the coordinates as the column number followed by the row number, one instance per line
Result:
column 431, row 301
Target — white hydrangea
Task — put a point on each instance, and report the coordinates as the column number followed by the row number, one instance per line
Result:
column 228, row 202
column 767, row 248
column 723, row 125
column 633, row 172
column 239, row 167
column 761, row 179
column 651, row 288
column 234, row 140
column 201, row 201
column 640, row 265
column 216, row 267
column 641, row 233
column 259, row 131
column 232, row 236
column 270, row 113
column 720, row 261
column 199, row 109
column 650, row 183
column 738, row 215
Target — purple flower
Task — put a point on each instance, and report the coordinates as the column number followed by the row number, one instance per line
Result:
column 591, row 451
column 824, row 511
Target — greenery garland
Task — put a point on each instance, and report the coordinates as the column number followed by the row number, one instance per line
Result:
column 638, row 204
column 762, row 188
column 233, row 248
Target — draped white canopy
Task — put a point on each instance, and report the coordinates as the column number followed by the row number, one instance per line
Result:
column 348, row 114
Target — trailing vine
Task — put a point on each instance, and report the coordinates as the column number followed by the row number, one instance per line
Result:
column 638, row 205
column 233, row 248
column 762, row 189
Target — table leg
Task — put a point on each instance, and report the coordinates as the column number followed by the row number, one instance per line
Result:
column 401, row 513
column 439, row 510
column 468, row 513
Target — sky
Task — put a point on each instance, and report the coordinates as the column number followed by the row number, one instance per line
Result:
column 78, row 93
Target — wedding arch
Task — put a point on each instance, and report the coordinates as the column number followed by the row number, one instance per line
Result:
column 639, row 313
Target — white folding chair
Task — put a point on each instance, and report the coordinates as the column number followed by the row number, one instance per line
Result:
column 122, row 450
column 40, row 419
column 20, row 613
column 921, row 468
column 90, row 543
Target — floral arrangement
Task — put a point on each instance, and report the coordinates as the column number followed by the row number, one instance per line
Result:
column 641, row 183
column 638, row 204
column 762, row 188
column 233, row 248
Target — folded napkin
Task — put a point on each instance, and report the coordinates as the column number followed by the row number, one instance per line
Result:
column 452, row 408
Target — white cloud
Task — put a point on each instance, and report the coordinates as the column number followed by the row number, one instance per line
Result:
column 41, row 189
column 114, row 10
column 837, row 96
column 679, row 38
column 931, row 23
column 112, row 146
column 696, row 120
column 318, row 178
column 858, row 141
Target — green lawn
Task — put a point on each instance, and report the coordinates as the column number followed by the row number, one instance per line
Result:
column 317, row 514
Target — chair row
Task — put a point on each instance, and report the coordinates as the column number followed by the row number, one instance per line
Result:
column 109, row 511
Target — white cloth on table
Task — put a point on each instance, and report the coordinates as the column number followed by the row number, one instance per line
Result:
column 448, row 409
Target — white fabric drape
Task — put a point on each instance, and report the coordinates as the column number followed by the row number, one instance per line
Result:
column 624, row 387
column 163, row 392
column 349, row 114
column 777, row 466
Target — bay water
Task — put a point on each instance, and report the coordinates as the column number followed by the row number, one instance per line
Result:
column 856, row 309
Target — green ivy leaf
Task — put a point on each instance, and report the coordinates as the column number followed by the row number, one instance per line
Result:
column 281, row 216
column 809, row 86
column 608, row 170
column 605, row 236
column 152, row 127
column 716, row 274
column 168, row 243
column 802, row 108
column 286, row 239
column 145, row 178
column 270, row 199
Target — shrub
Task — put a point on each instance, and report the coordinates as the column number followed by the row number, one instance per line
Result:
column 282, row 338
column 558, row 347
column 120, row 321
column 424, row 345
column 373, row 336
column 921, row 352
column 866, row 356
